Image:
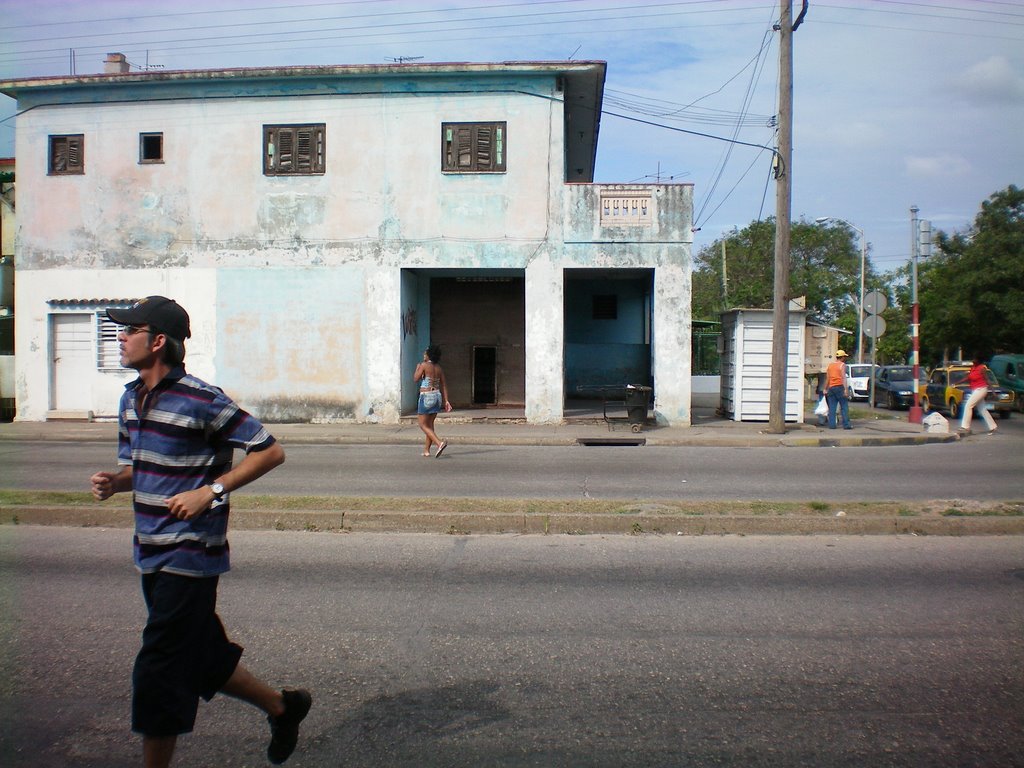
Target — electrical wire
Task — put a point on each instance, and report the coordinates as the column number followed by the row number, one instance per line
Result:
column 504, row 20
column 759, row 58
column 687, row 113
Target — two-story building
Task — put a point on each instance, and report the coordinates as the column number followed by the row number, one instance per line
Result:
column 323, row 224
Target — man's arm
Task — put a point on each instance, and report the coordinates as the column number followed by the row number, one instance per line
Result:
column 188, row 504
column 106, row 484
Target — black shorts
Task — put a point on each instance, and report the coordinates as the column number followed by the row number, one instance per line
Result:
column 185, row 654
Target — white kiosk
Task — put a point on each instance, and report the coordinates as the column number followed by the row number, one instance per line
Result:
column 746, row 355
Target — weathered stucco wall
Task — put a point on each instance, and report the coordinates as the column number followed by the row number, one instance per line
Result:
column 295, row 284
column 663, row 242
column 103, row 390
column 292, row 341
column 545, row 340
column 672, row 364
column 209, row 204
column 297, row 278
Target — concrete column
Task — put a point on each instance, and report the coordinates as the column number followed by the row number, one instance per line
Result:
column 383, row 352
column 671, row 345
column 545, row 342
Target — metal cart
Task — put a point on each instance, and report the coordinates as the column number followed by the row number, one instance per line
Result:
column 631, row 399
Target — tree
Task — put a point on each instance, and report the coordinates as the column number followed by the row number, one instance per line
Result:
column 824, row 268
column 972, row 292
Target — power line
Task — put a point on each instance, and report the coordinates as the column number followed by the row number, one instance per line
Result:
column 666, row 110
column 632, row 9
column 218, row 44
column 309, row 20
column 684, row 130
column 868, row 9
column 727, row 154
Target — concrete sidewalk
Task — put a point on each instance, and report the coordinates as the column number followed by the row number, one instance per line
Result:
column 508, row 427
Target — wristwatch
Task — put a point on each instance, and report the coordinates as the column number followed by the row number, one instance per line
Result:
column 218, row 491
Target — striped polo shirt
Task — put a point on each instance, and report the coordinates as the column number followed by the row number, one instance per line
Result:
column 184, row 439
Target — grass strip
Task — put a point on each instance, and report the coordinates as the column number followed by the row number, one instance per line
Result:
column 11, row 499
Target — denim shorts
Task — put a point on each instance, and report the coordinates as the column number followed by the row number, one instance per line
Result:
column 185, row 654
column 430, row 402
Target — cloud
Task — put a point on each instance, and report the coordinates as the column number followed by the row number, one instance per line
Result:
column 937, row 166
column 992, row 81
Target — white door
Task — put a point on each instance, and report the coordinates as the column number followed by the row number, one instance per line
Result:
column 73, row 363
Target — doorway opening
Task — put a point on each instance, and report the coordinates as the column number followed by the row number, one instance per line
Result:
column 485, row 375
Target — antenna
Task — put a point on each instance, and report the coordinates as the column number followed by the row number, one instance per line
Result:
column 403, row 59
column 149, row 66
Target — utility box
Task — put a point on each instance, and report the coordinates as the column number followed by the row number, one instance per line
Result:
column 747, row 365
column 820, row 345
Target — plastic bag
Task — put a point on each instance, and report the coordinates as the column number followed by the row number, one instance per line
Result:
column 821, row 409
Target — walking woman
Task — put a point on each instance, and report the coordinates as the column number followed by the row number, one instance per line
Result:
column 977, row 379
column 433, row 397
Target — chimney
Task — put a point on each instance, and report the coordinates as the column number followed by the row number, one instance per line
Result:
column 116, row 64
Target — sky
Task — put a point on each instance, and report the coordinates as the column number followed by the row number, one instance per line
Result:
column 896, row 104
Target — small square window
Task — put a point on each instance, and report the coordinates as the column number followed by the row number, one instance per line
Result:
column 151, row 148
column 294, row 150
column 606, row 307
column 67, row 154
column 473, row 147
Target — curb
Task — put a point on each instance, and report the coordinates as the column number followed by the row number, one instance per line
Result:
column 644, row 438
column 339, row 521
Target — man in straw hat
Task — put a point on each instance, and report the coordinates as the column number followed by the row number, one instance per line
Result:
column 837, row 390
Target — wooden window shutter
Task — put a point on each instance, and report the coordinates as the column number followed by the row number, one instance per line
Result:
column 309, row 149
column 285, row 150
column 464, row 147
column 473, row 147
column 303, row 150
column 484, row 148
column 67, row 154
column 74, row 153
column 294, row 150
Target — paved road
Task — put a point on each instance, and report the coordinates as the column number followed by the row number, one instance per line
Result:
column 981, row 468
column 538, row 651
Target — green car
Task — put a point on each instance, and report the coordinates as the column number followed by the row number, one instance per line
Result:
column 1009, row 371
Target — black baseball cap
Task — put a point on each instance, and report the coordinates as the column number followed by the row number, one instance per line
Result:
column 158, row 312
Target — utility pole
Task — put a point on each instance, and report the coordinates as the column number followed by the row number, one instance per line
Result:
column 725, row 280
column 783, row 215
column 921, row 245
column 916, row 415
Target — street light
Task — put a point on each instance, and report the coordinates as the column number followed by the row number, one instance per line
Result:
column 863, row 260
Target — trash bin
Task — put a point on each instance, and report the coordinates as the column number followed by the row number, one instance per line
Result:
column 637, row 400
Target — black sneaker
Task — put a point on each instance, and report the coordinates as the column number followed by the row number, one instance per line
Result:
column 284, row 729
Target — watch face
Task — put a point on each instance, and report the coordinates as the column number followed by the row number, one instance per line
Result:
column 218, row 489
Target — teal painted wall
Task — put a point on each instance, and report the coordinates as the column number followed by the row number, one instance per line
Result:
column 606, row 351
column 290, row 341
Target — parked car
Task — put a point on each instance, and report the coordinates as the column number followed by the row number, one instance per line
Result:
column 894, row 385
column 1009, row 371
column 860, row 376
column 947, row 388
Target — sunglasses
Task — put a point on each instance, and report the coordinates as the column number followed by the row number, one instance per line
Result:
column 131, row 330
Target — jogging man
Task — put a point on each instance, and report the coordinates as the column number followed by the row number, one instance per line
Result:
column 176, row 435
